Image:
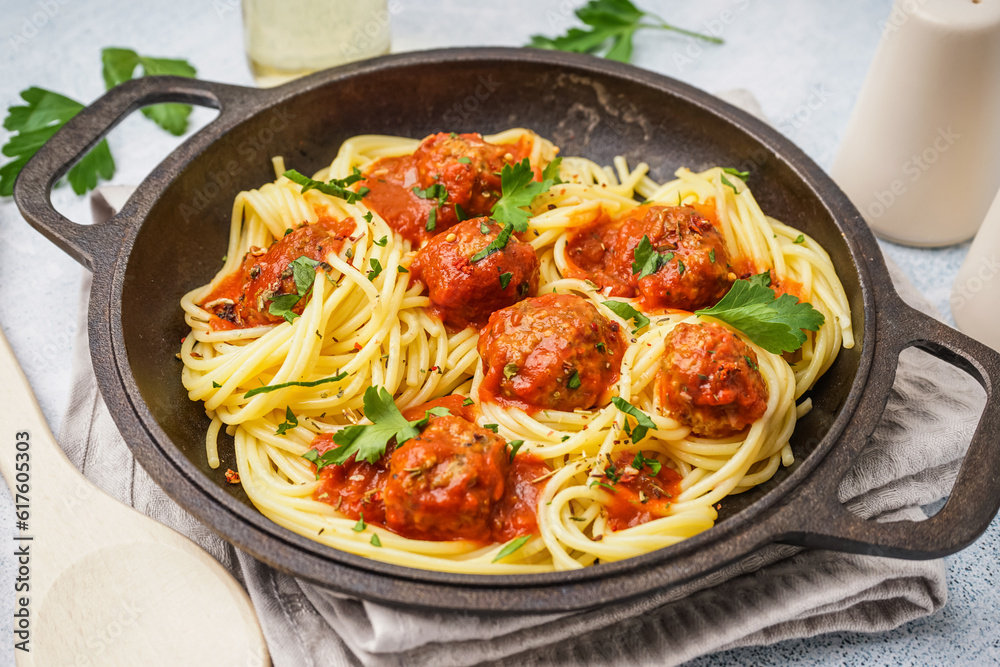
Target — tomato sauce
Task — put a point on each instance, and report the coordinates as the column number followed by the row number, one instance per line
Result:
column 242, row 299
column 445, row 511
column 638, row 496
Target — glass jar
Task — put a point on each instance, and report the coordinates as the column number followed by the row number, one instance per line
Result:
column 286, row 40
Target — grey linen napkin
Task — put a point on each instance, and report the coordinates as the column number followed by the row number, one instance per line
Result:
column 778, row 593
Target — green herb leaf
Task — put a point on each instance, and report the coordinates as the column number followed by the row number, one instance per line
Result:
column 360, row 525
column 627, row 312
column 726, row 181
column 510, row 370
column 519, row 188
column 375, row 541
column 775, row 324
column 274, row 387
column 505, row 279
column 511, row 547
column 432, row 220
column 605, row 485
column 304, row 273
column 216, row 385
column 642, row 420
column 711, row 255
column 376, row 269
column 467, row 402
column 460, row 213
column 574, row 380
column 492, row 427
column 640, row 461
column 368, row 218
column 369, row 441
column 647, row 260
column 611, row 26
column 514, row 446
column 465, row 160
column 336, row 187
column 743, row 175
column 801, row 238
column 382, row 241
column 496, row 245
column 436, row 191
column 402, row 269
column 281, row 306
column 120, row 65
column 291, row 421
column 45, row 113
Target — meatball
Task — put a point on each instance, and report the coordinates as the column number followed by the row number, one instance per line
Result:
column 444, row 484
column 244, row 299
column 465, row 292
column 694, row 266
column 554, row 351
column 468, row 167
column 710, row 381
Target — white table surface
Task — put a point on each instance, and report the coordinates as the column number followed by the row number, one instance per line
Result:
column 804, row 59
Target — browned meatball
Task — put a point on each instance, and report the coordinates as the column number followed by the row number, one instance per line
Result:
column 467, row 166
column 554, row 351
column 465, row 292
column 710, row 381
column 694, row 271
column 443, row 485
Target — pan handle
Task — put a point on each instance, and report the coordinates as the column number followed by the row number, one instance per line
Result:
column 32, row 190
column 817, row 519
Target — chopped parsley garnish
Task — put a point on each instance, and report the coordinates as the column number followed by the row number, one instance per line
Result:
column 519, row 188
column 640, row 462
column 505, row 279
column 460, row 213
column 801, row 238
column 375, row 541
column 680, row 268
column 431, row 220
column 514, row 446
column 509, row 371
column 496, row 245
column 605, row 485
column 368, row 218
column 511, row 547
column 743, row 175
column 382, row 241
column 216, row 385
column 642, row 421
column 647, row 260
column 467, row 402
column 465, row 160
column 335, row 187
column 376, row 269
column 574, row 380
column 626, row 312
column 274, row 387
column 751, row 363
column 367, row 442
column 304, row 273
column 291, row 421
column 775, row 324
column 711, row 255
column 402, row 269
column 611, row 25
column 360, row 525
column 601, row 347
column 492, row 427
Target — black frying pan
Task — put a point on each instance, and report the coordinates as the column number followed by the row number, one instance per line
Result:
column 171, row 235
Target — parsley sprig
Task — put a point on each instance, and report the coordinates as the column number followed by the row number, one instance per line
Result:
column 642, row 421
column 46, row 112
column 335, row 187
column 648, row 260
column 304, row 273
column 611, row 25
column 367, row 442
column 627, row 312
column 519, row 188
column 775, row 324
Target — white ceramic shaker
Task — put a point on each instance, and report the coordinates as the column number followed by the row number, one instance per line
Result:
column 921, row 154
column 975, row 296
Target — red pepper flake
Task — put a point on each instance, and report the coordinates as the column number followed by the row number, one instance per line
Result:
column 432, row 369
column 184, row 339
column 357, row 347
column 232, row 476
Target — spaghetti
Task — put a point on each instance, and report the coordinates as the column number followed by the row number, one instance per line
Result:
column 617, row 478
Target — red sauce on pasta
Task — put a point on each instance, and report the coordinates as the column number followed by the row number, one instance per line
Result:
column 637, row 496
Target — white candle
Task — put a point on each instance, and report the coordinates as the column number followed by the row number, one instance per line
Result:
column 921, row 154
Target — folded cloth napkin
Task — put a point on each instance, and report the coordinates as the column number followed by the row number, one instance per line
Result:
column 780, row 592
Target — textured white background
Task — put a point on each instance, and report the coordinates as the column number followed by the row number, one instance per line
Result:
column 804, row 59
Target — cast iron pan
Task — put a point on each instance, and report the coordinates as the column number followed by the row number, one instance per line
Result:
column 171, row 236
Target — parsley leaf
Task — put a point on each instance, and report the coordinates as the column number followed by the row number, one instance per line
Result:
column 726, row 181
column 291, row 421
column 304, row 273
column 801, row 238
column 626, row 312
column 33, row 125
column 382, row 241
column 467, row 402
column 640, row 461
column 574, row 380
column 119, row 65
column 375, row 541
column 510, row 370
column 642, row 421
column 336, row 187
column 505, row 279
column 496, row 245
column 511, row 547
column 647, row 260
column 360, row 525
column 514, row 446
column 743, row 175
column 519, row 188
column 436, row 191
column 775, row 324
column 376, row 269
column 609, row 21
column 369, row 441
column 274, row 387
